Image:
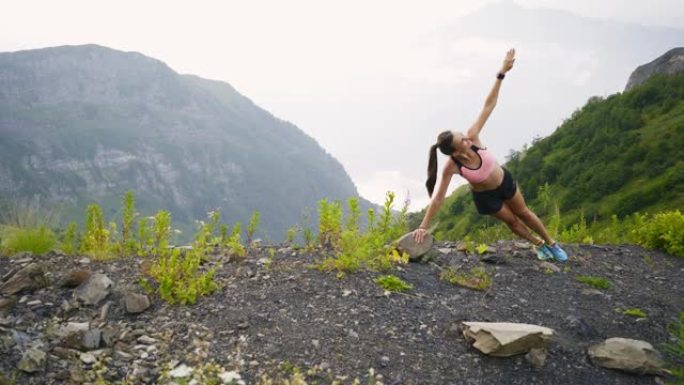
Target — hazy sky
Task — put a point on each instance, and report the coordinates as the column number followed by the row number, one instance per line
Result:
column 370, row 80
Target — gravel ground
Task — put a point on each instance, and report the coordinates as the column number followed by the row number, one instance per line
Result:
column 267, row 314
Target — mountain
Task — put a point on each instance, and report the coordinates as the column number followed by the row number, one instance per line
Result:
column 83, row 124
column 671, row 62
column 616, row 155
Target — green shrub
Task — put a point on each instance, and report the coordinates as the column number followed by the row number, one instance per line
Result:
column 393, row 283
column 236, row 248
column 676, row 349
column 477, row 278
column 177, row 272
column 252, row 226
column 70, row 242
column 96, row 237
column 371, row 249
column 145, row 239
column 291, row 235
column 634, row 312
column 330, row 223
column 178, row 278
column 37, row 241
column 664, row 231
column 162, row 231
column 595, row 282
column 127, row 220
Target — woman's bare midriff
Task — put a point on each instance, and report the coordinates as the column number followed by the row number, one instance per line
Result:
column 493, row 181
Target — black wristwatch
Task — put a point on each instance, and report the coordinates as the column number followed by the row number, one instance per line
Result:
column 500, row 75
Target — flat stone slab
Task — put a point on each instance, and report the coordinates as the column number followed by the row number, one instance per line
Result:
column 504, row 339
column 414, row 249
column 634, row 356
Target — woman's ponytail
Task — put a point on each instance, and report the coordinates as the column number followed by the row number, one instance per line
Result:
column 444, row 140
column 432, row 170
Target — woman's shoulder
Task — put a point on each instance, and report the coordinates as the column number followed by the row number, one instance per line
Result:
column 451, row 167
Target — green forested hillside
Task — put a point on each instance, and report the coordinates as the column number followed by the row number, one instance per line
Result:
column 618, row 155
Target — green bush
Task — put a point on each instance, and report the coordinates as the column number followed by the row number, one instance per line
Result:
column 635, row 312
column 178, row 278
column 96, row 237
column 236, row 247
column 70, row 242
column 127, row 220
column 371, row 249
column 393, row 283
column 177, row 272
column 664, row 231
column 676, row 349
column 330, row 223
column 37, row 241
column 595, row 282
column 477, row 278
column 252, row 226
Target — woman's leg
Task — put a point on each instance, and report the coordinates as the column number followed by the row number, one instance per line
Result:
column 507, row 216
column 519, row 208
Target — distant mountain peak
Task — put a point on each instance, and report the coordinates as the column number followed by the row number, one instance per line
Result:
column 671, row 62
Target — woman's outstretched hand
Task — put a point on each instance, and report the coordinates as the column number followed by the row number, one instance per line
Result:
column 419, row 234
column 508, row 61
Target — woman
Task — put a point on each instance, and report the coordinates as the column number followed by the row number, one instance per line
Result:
column 494, row 190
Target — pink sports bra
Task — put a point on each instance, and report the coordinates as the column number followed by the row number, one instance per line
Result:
column 487, row 164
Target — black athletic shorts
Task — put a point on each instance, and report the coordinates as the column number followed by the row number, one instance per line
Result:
column 491, row 201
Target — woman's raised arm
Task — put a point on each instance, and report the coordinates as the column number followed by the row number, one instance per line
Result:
column 490, row 102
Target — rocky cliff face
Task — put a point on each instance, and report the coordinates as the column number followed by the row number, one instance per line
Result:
column 82, row 124
column 671, row 62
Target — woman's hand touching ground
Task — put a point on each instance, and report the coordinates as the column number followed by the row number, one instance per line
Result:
column 419, row 234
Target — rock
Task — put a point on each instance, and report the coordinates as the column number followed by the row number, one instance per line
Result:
column 522, row 245
column 30, row 277
column 231, row 377
column 503, row 339
column 94, row 290
column 75, row 278
column 91, row 339
column 32, row 361
column 146, row 340
column 79, row 335
column 494, row 259
column 549, row 266
column 181, row 371
column 462, row 246
column 104, row 311
column 6, row 304
column 414, row 249
column 536, row 357
column 136, row 303
column 73, row 327
column 593, row 292
column 634, row 356
column 580, row 327
column 88, row 358
column 22, row 257
column 108, row 334
column 444, row 250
